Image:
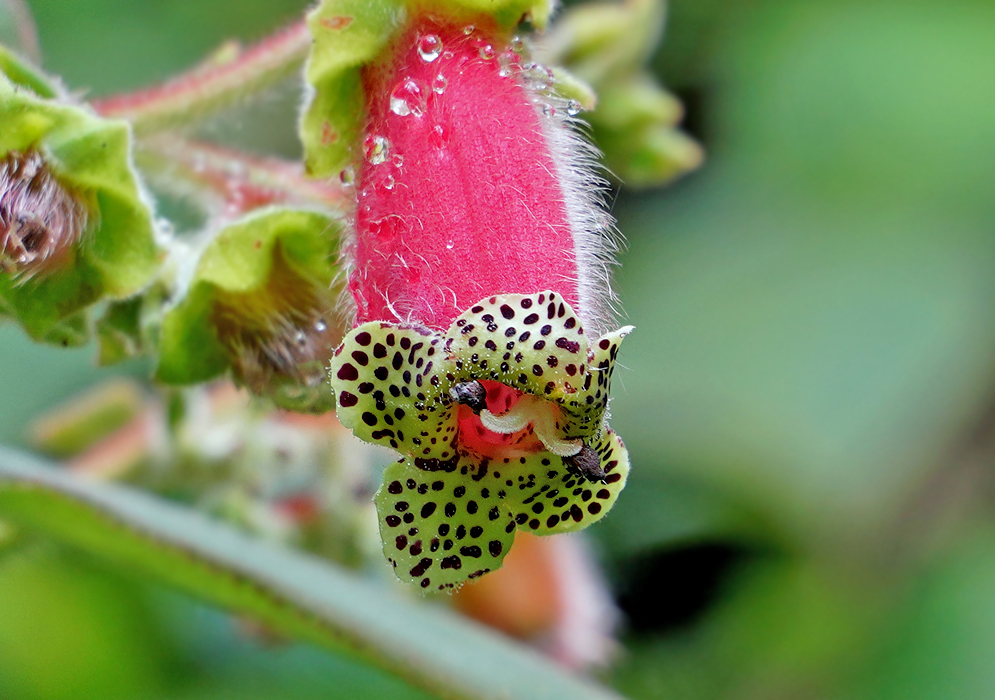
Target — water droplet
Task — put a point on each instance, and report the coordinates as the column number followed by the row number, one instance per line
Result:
column 508, row 62
column 377, row 149
column 438, row 136
column 517, row 45
column 450, row 244
column 549, row 110
column 348, row 176
column 486, row 52
column 429, row 47
column 468, row 29
column 573, row 108
column 439, row 84
column 406, row 98
column 320, row 326
column 540, row 77
column 398, row 160
column 388, row 183
column 300, row 338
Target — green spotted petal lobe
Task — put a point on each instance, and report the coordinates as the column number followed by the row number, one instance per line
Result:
column 584, row 412
column 547, row 498
column 532, row 342
column 392, row 389
column 441, row 528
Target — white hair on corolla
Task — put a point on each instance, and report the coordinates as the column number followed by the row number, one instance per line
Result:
column 596, row 239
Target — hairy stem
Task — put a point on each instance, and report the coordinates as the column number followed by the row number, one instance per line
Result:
column 231, row 74
column 225, row 180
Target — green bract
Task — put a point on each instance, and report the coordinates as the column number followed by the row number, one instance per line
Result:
column 90, row 159
column 260, row 302
column 349, row 34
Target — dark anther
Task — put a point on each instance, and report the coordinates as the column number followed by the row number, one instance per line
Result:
column 472, row 394
column 587, row 463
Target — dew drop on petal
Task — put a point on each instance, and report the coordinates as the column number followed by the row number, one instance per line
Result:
column 377, row 149
column 486, row 52
column 468, row 29
column 539, row 76
column 429, row 47
column 348, row 176
column 507, row 61
column 517, row 45
column 439, row 136
column 320, row 326
column 406, row 98
column 388, row 183
column 439, row 84
column 573, row 108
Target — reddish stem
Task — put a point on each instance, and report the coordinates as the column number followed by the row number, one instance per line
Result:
column 211, row 86
column 236, row 181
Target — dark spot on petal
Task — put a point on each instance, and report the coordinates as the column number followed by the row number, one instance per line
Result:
column 348, row 373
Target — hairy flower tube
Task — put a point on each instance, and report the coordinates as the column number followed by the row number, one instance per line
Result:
column 478, row 270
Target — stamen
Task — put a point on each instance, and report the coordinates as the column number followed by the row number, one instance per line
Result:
column 587, row 463
column 471, row 394
column 541, row 415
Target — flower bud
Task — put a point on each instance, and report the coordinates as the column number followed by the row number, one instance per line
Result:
column 74, row 218
column 280, row 338
column 259, row 301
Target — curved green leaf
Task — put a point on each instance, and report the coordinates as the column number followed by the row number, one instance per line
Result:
column 296, row 595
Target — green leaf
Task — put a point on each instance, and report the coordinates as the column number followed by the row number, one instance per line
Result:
column 24, row 74
column 347, row 35
column 295, row 595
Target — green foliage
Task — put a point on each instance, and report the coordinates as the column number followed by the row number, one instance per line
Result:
column 811, row 380
column 348, row 34
column 290, row 593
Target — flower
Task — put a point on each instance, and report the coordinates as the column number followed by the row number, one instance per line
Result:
column 471, row 185
column 534, row 453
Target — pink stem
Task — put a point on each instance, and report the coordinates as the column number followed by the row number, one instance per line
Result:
column 241, row 182
column 210, row 87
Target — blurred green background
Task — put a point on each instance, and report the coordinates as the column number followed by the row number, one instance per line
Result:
column 808, row 399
